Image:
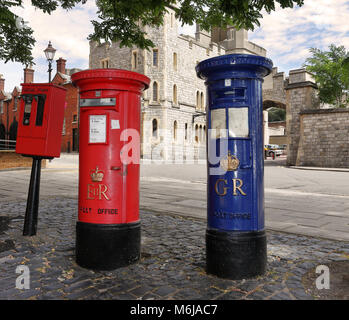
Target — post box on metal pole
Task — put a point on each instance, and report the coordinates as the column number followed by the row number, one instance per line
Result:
column 108, row 230
column 39, row 136
column 236, row 245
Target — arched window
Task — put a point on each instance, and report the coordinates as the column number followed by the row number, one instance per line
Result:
column 202, row 102
column 175, row 131
column 200, row 133
column 155, row 128
column 155, row 91
column 134, row 60
column 155, row 57
column 175, row 94
column 204, row 137
column 197, row 99
column 174, row 61
column 186, row 131
column 196, row 133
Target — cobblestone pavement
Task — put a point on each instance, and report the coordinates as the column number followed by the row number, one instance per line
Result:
column 171, row 266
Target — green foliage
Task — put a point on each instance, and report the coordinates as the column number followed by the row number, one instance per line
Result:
column 276, row 114
column 16, row 38
column 123, row 20
column 331, row 72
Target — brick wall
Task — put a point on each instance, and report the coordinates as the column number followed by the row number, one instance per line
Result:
column 71, row 119
column 71, row 115
column 10, row 159
column 324, row 138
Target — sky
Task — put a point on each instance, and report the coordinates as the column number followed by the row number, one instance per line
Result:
column 286, row 34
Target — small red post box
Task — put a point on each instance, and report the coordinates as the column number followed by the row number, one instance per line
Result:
column 40, row 120
column 108, row 231
column 39, row 136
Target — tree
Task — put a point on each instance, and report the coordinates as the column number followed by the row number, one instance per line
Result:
column 276, row 114
column 331, row 74
column 122, row 20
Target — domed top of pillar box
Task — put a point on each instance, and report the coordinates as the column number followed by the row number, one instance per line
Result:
column 112, row 79
column 234, row 66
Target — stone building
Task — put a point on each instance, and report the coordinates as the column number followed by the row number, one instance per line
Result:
column 174, row 107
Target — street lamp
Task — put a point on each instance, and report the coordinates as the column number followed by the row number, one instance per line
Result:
column 49, row 53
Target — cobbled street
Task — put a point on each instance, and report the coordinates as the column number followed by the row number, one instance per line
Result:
column 172, row 264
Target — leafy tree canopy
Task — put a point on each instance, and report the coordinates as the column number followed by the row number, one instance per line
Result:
column 276, row 114
column 331, row 71
column 122, row 20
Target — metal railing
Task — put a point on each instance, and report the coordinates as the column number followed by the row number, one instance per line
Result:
column 7, row 144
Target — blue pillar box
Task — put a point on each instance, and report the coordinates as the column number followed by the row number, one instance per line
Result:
column 236, row 245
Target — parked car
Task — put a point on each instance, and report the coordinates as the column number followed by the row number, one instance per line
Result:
column 272, row 150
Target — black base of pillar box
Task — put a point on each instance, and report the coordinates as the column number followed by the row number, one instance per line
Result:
column 236, row 255
column 107, row 247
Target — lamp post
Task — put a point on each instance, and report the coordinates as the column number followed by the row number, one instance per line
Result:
column 49, row 53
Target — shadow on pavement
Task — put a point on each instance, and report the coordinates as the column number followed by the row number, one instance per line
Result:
column 278, row 162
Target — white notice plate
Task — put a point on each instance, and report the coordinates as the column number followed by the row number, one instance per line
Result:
column 98, row 126
column 115, row 124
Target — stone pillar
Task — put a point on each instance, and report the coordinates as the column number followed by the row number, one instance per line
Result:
column 301, row 94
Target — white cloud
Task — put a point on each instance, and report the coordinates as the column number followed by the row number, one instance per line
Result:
column 68, row 32
column 287, row 34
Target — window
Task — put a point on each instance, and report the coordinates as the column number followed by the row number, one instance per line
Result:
column 186, row 131
column 155, row 57
column 75, row 118
column 63, row 129
column 175, row 95
column 196, row 133
column 197, row 99
column 155, row 128
column 175, row 131
column 1, row 106
column 134, row 60
column 155, row 91
column 105, row 63
column 171, row 20
column 15, row 103
column 174, row 61
column 202, row 104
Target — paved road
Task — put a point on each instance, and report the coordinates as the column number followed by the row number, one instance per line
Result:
column 308, row 202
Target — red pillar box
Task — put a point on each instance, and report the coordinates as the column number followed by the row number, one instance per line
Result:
column 108, row 232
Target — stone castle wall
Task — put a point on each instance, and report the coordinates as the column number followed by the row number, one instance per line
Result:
column 181, row 136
